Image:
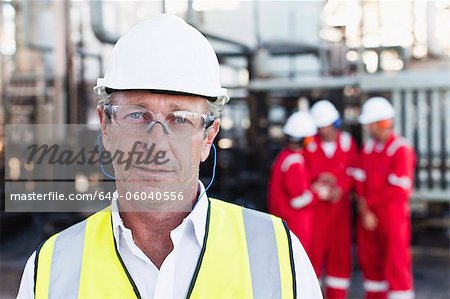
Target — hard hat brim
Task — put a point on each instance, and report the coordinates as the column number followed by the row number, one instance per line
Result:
column 323, row 124
column 363, row 119
column 366, row 119
column 225, row 98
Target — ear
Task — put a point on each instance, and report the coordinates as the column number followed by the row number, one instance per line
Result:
column 209, row 138
column 104, row 125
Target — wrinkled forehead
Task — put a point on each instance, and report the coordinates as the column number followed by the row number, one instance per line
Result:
column 159, row 102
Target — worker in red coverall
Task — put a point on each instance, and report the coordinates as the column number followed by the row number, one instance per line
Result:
column 385, row 184
column 330, row 159
column 290, row 197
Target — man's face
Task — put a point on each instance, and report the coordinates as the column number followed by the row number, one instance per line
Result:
column 327, row 132
column 375, row 130
column 162, row 157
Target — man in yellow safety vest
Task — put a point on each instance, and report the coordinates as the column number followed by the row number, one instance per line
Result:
column 161, row 93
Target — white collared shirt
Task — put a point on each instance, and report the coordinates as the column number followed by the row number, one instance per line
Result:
column 329, row 148
column 173, row 278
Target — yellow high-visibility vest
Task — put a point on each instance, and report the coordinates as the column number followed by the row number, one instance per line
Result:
column 245, row 254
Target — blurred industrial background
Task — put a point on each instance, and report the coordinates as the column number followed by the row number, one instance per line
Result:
column 276, row 57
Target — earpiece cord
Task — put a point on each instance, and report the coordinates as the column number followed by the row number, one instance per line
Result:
column 102, row 168
column 213, row 172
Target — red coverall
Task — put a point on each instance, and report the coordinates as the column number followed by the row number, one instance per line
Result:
column 386, row 179
column 289, row 195
column 331, row 244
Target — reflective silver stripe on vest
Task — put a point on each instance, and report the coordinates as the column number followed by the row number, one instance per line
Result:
column 263, row 254
column 66, row 262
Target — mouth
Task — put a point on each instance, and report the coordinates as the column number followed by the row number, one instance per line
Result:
column 154, row 171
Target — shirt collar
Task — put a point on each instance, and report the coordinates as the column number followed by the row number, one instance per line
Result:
column 197, row 218
column 379, row 147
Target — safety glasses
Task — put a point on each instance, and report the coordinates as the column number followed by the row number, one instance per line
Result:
column 175, row 123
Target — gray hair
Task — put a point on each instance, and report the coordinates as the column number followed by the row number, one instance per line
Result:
column 103, row 98
column 215, row 108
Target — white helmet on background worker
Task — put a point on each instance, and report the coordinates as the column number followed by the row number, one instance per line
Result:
column 324, row 113
column 376, row 109
column 300, row 125
column 164, row 54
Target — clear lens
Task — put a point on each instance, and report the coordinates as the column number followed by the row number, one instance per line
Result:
column 179, row 123
column 132, row 116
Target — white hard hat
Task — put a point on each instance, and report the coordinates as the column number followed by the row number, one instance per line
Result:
column 324, row 113
column 164, row 53
column 299, row 125
column 376, row 109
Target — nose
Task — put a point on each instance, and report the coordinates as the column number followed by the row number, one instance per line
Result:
column 153, row 123
column 157, row 135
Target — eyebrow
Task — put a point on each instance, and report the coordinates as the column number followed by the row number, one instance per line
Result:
column 175, row 107
column 171, row 106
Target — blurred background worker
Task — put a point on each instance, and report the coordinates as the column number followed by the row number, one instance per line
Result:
column 385, row 185
column 290, row 196
column 329, row 159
